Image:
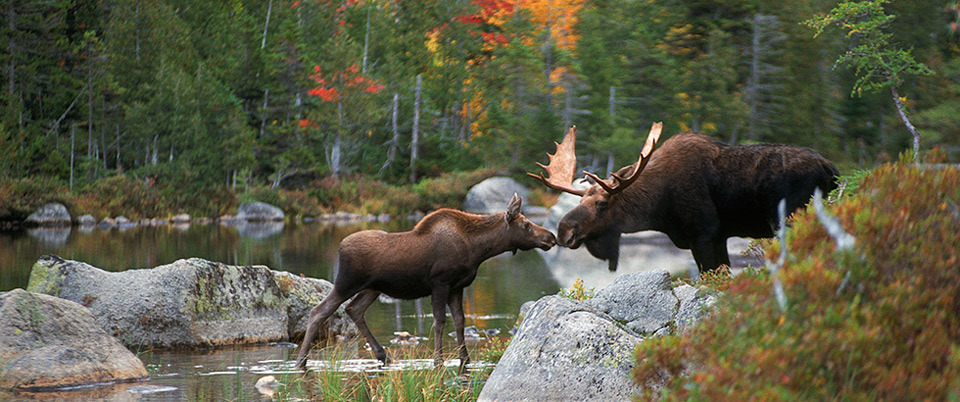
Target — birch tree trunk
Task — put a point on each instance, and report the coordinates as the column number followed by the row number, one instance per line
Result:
column 415, row 141
column 266, row 24
column 902, row 112
column 73, row 130
column 395, row 142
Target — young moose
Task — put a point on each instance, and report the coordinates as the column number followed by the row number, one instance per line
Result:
column 438, row 258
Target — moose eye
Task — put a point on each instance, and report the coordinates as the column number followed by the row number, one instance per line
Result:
column 601, row 205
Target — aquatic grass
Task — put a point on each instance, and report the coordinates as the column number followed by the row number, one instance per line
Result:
column 333, row 380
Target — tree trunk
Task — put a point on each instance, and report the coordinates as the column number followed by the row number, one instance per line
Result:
column 11, row 61
column 392, row 152
column 263, row 118
column 153, row 160
column 266, row 24
column 119, row 168
column 415, row 142
column 90, row 142
column 902, row 112
column 73, row 129
column 366, row 42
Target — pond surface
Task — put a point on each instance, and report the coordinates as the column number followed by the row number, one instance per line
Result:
column 490, row 304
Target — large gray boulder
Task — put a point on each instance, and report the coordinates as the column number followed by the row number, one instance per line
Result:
column 492, row 195
column 50, row 214
column 190, row 302
column 564, row 350
column 48, row 343
column 259, row 211
column 694, row 305
column 301, row 295
column 567, row 350
column 643, row 301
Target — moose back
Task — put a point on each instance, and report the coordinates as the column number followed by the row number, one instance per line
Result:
column 696, row 190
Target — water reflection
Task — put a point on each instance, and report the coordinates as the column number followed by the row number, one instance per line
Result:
column 259, row 230
column 54, row 237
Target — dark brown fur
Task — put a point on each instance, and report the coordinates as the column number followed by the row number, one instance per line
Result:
column 438, row 258
column 699, row 192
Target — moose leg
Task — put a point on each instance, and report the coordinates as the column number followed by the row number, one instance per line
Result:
column 455, row 302
column 355, row 310
column 705, row 253
column 318, row 315
column 721, row 252
column 439, row 300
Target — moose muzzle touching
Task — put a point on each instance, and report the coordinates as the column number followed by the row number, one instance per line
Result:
column 695, row 189
column 438, row 258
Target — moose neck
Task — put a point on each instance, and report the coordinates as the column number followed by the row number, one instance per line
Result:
column 488, row 236
column 635, row 208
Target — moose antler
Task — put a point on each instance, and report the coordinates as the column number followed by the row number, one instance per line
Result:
column 616, row 183
column 563, row 165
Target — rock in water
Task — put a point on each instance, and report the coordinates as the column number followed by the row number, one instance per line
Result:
column 48, row 343
column 302, row 294
column 190, row 302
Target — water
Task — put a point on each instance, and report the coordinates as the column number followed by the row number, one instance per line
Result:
column 503, row 283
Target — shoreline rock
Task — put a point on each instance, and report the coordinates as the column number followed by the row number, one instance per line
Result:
column 259, row 211
column 50, row 343
column 49, row 214
column 574, row 351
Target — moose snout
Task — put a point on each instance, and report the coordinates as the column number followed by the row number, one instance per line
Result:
column 567, row 236
column 547, row 241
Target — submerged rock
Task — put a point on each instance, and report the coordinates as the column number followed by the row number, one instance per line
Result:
column 50, row 214
column 48, row 343
column 190, row 302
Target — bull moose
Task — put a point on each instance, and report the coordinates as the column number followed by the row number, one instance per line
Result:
column 438, row 258
column 696, row 190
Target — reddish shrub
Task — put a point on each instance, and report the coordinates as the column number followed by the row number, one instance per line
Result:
column 890, row 331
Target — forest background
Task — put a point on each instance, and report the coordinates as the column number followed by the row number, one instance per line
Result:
column 147, row 108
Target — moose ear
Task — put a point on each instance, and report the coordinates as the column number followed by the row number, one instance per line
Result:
column 513, row 210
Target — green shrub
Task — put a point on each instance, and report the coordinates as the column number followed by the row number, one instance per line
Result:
column 19, row 198
column 121, row 195
column 890, row 330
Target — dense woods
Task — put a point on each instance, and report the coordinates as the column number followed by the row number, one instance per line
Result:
column 222, row 98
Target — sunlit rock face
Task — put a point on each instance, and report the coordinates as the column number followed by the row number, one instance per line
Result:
column 190, row 302
column 259, row 211
column 564, row 350
column 492, row 195
column 50, row 214
column 570, row 350
column 49, row 343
